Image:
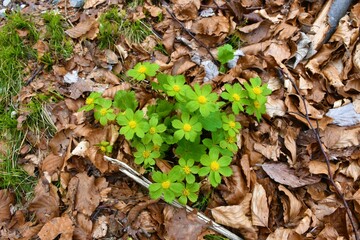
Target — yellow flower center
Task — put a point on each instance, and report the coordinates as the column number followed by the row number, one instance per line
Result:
column 257, row 90
column 152, row 130
column 202, row 100
column 232, row 124
column 214, row 166
column 257, row 104
column 230, row 139
column 146, row 154
column 132, row 124
column 236, row 97
column 89, row 101
column 187, row 169
column 187, row 127
column 176, row 88
column 166, row 184
column 156, row 147
column 103, row 112
column 103, row 149
column 142, row 69
column 186, row 192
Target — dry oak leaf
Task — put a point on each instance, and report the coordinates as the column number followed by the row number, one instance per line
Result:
column 236, row 216
column 186, row 10
column 259, row 206
column 292, row 207
column 212, row 26
column 340, row 137
column 6, row 200
column 304, row 223
column 353, row 170
column 325, row 207
column 318, row 167
column 87, row 28
column 59, row 225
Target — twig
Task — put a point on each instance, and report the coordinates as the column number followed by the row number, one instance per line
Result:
column 128, row 171
column 35, row 73
column 187, row 31
column 331, row 177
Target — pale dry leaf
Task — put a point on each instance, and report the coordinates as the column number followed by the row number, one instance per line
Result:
column 304, row 223
column 268, row 151
column 340, row 137
column 328, row 233
column 325, row 207
column 290, row 141
column 265, row 15
column 284, row 233
column 294, row 205
column 259, row 206
column 275, row 107
column 54, row 227
column 81, row 149
column 88, row 27
column 353, row 170
column 186, row 9
column 344, row 116
column 279, row 50
column 92, row 3
column 282, row 173
column 236, row 216
column 52, row 163
column 100, row 227
column 356, row 57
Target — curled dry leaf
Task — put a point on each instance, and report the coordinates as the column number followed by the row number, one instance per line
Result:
column 292, row 206
column 259, row 206
column 88, row 27
column 304, row 223
column 236, row 216
column 186, row 9
column 52, row 163
column 284, row 233
column 275, row 107
column 236, row 187
column 353, row 170
column 344, row 116
column 56, row 226
column 6, row 200
column 100, row 227
column 81, row 149
column 340, row 137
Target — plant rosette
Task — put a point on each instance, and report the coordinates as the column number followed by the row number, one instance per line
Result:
column 132, row 123
column 165, row 185
column 189, row 193
column 90, row 101
column 214, row 167
column 154, row 132
column 202, row 99
column 256, row 91
column 190, row 128
column 187, row 170
column 146, row 154
column 230, row 125
column 143, row 70
column 236, row 95
column 103, row 111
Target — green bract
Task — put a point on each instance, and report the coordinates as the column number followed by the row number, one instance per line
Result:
column 257, row 108
column 203, row 99
column 230, row 125
column 105, row 147
column 188, row 127
column 103, row 112
column 256, row 91
column 175, row 87
column 143, row 70
column 132, row 123
column 165, row 185
column 236, row 95
column 225, row 53
column 215, row 166
column 187, row 170
column 146, row 154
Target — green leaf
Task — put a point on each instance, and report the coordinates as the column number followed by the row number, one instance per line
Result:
column 225, row 53
column 212, row 121
column 125, row 99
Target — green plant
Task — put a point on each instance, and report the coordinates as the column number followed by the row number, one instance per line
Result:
column 105, row 147
column 225, row 54
column 190, row 125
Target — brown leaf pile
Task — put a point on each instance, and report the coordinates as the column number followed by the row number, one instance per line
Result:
column 280, row 188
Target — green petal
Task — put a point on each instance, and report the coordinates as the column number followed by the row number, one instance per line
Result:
column 182, row 200
column 169, row 196
column 204, row 171
column 226, row 171
column 194, row 187
column 154, row 187
column 190, row 178
column 192, row 106
column 177, row 188
column 179, row 134
column 156, row 194
column 177, row 124
column 217, row 177
column 193, row 197
column 157, row 176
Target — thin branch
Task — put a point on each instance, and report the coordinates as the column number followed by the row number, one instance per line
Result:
column 331, row 177
column 187, row 31
column 137, row 177
column 35, row 73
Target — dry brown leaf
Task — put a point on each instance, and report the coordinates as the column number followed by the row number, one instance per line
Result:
column 293, row 205
column 282, row 173
column 186, row 9
column 52, row 163
column 284, row 233
column 259, row 206
column 6, row 200
column 325, row 207
column 256, row 32
column 56, row 226
column 340, row 137
column 279, row 50
column 290, row 141
column 88, row 27
column 268, row 151
column 100, row 227
column 356, row 57
column 83, row 227
column 353, row 170
column 104, row 76
column 236, row 187
column 275, row 107
column 328, row 233
column 304, row 223
column 318, row 167
column 110, row 92
column 92, row 3
column 236, row 216
column 181, row 225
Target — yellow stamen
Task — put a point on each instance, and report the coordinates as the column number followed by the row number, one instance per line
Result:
column 187, row 127
column 214, row 166
column 176, row 88
column 186, row 192
column 152, row 130
column 202, row 100
column 232, row 124
column 103, row 149
column 89, row 101
column 257, row 104
column 146, row 154
column 236, row 97
column 166, row 184
column 257, row 90
column 187, row 169
column 103, row 112
column 132, row 124
column 230, row 139
column 142, row 69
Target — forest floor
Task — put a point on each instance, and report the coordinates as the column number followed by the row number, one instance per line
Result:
column 294, row 167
